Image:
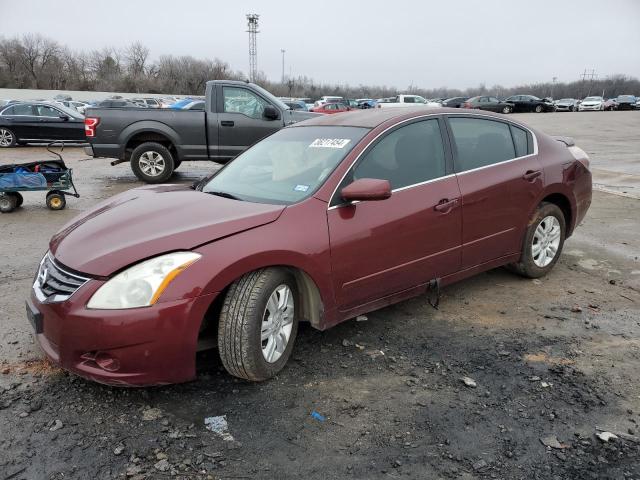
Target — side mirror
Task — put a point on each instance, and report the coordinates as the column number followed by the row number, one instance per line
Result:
column 366, row 189
column 271, row 113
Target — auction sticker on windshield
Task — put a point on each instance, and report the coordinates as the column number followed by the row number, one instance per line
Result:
column 329, row 143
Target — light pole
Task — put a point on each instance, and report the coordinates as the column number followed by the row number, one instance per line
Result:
column 553, row 84
column 282, row 50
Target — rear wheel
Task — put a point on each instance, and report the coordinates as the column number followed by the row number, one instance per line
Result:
column 543, row 242
column 56, row 200
column 152, row 162
column 258, row 324
column 8, row 203
column 539, row 109
column 507, row 109
column 7, row 138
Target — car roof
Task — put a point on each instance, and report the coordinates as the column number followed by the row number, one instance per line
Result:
column 373, row 117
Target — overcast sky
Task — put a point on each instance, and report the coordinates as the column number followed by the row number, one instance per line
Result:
column 453, row 43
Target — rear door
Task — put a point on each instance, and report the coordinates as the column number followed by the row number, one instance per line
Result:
column 499, row 174
column 241, row 120
column 384, row 247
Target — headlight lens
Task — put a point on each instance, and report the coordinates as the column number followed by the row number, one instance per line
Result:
column 142, row 284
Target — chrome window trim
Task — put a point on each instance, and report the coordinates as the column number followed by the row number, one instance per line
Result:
column 524, row 127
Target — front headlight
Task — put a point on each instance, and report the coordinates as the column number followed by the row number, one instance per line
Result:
column 142, row 284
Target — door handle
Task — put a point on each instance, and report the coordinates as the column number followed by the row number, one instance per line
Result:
column 227, row 123
column 531, row 175
column 445, row 205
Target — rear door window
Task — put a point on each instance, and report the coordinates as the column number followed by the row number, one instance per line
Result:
column 480, row 142
column 19, row 110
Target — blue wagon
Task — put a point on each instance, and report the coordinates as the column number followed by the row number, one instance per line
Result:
column 51, row 176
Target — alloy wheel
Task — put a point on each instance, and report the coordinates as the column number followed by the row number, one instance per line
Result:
column 546, row 240
column 6, row 138
column 152, row 163
column 277, row 323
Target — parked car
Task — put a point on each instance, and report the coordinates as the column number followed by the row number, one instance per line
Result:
column 491, row 104
column 408, row 101
column 62, row 97
column 454, row 102
column 181, row 103
column 566, row 105
column 610, row 105
column 292, row 230
column 39, row 122
column 194, row 105
column 118, row 103
column 156, row 141
column 76, row 105
column 327, row 99
column 149, row 102
column 626, row 102
column 332, row 107
column 592, row 103
column 365, row 103
column 296, row 105
column 530, row 103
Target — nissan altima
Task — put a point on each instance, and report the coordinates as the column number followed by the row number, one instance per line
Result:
column 320, row 222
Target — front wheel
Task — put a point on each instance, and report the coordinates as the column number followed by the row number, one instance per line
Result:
column 506, row 109
column 152, row 162
column 258, row 324
column 539, row 108
column 7, row 138
column 543, row 242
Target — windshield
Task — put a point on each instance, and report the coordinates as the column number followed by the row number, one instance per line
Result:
column 286, row 167
column 626, row 98
column 567, row 100
column 271, row 98
column 593, row 99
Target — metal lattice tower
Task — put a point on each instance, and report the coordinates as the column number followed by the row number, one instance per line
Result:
column 252, row 20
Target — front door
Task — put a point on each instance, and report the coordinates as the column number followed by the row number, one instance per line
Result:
column 384, row 247
column 241, row 121
column 500, row 177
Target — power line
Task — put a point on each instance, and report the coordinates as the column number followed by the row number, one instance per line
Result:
column 252, row 21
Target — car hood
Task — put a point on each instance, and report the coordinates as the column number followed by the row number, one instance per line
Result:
column 592, row 102
column 294, row 116
column 148, row 221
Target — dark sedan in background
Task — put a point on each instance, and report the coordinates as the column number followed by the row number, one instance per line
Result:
column 530, row 103
column 626, row 102
column 455, row 102
column 39, row 122
column 492, row 104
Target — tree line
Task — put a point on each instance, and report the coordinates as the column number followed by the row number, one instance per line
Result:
column 34, row 61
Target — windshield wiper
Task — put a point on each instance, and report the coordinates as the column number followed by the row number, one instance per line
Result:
column 225, row 195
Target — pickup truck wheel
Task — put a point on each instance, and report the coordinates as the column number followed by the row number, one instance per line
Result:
column 7, row 138
column 152, row 162
column 543, row 242
column 258, row 324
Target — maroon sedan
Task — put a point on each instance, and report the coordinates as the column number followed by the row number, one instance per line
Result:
column 320, row 222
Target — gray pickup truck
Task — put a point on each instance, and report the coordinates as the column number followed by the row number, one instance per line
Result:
column 155, row 141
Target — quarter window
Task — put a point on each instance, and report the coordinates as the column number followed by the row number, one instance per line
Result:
column 406, row 156
column 520, row 140
column 481, row 142
column 241, row 100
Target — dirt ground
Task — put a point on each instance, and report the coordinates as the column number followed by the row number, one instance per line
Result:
column 554, row 361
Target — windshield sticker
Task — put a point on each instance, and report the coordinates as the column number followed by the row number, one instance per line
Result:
column 329, row 143
column 301, row 188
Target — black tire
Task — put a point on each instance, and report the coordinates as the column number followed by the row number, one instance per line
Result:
column 159, row 156
column 573, row 109
column 507, row 109
column 240, row 325
column 56, row 200
column 527, row 267
column 19, row 198
column 7, row 138
column 539, row 109
column 7, row 203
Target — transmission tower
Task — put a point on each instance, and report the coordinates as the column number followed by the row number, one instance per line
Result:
column 252, row 22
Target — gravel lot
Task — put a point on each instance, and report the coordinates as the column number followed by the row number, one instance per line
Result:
column 553, row 360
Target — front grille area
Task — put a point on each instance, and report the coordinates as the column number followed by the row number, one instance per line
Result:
column 53, row 283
